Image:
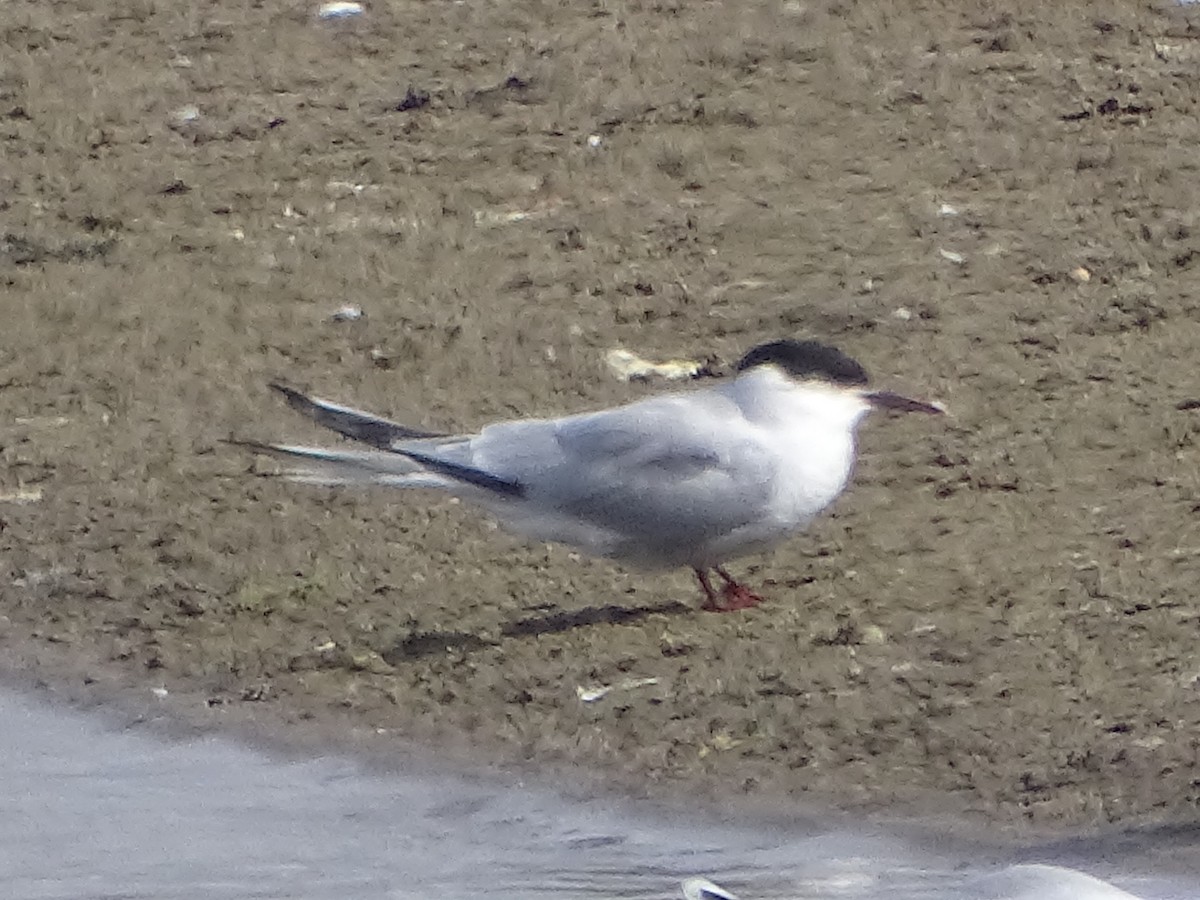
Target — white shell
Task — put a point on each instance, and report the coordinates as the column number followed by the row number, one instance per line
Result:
column 628, row 366
column 703, row 889
column 595, row 692
column 340, row 10
column 1042, row 882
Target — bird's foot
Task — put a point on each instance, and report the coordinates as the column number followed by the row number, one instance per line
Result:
column 738, row 596
column 734, row 596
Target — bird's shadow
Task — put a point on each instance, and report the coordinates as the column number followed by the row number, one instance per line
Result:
column 430, row 643
column 555, row 623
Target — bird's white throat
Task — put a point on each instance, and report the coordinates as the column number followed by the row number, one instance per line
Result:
column 768, row 396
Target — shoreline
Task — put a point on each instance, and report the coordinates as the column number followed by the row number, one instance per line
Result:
column 123, row 702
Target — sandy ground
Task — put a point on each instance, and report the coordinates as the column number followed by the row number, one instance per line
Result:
column 998, row 620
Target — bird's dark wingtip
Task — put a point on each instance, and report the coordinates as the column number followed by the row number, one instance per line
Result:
column 468, row 475
column 355, row 424
column 242, row 443
column 290, row 394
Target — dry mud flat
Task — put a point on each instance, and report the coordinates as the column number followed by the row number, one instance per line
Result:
column 999, row 619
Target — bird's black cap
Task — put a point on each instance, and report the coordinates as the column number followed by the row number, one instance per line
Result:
column 807, row 359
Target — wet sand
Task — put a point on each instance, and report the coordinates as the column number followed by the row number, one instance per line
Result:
column 997, row 621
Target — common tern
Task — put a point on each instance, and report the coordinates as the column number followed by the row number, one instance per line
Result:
column 693, row 478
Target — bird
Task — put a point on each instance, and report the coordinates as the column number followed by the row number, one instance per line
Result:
column 691, row 478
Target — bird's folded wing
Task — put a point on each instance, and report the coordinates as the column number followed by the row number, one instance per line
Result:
column 654, row 467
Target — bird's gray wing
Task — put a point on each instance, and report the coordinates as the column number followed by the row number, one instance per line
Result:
column 673, row 468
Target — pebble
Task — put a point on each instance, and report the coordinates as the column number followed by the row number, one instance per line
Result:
column 22, row 496
column 186, row 114
column 873, row 634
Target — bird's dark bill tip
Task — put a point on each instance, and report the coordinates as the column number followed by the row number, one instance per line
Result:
column 899, row 403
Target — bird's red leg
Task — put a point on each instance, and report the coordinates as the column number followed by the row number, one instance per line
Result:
column 735, row 595
column 710, row 602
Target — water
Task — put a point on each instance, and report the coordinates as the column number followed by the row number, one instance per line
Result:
column 88, row 812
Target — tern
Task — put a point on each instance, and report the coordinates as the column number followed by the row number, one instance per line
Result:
column 693, row 478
